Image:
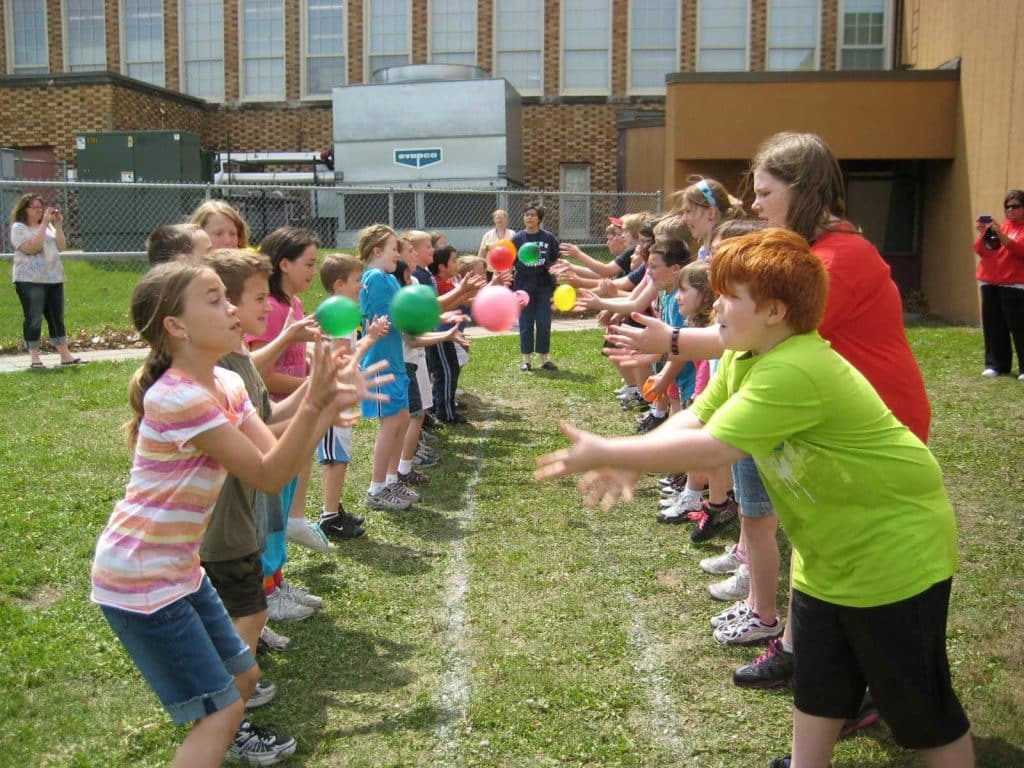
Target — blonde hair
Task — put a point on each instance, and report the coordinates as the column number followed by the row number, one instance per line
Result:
column 372, row 237
column 158, row 295
column 208, row 208
column 672, row 227
column 708, row 193
column 234, row 266
column 633, row 223
column 416, row 236
column 338, row 266
column 468, row 263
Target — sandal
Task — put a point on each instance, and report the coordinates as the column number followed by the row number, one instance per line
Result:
column 37, row 364
column 73, row 361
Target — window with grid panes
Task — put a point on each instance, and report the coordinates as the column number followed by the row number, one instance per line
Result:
column 202, row 46
column 653, row 43
column 388, row 34
column 84, row 35
column 453, row 31
column 143, row 30
column 262, row 29
column 325, row 46
column 722, row 27
column 793, row 34
column 26, row 21
column 518, row 44
column 862, row 42
column 586, row 41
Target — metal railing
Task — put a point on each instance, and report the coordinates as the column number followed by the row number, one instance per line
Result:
column 111, row 221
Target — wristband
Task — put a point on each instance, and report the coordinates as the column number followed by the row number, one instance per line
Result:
column 674, row 343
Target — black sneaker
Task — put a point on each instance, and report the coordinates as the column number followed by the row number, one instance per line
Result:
column 867, row 715
column 710, row 518
column 780, row 762
column 771, row 669
column 649, row 422
column 260, row 746
column 430, row 421
column 349, row 518
column 455, row 419
column 338, row 527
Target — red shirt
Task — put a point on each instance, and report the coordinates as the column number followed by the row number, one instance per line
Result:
column 864, row 323
column 1006, row 265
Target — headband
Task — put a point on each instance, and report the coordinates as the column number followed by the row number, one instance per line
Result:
column 705, row 189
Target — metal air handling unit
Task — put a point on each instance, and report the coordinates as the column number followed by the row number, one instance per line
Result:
column 421, row 130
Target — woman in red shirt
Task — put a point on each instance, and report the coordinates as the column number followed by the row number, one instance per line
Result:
column 1001, row 274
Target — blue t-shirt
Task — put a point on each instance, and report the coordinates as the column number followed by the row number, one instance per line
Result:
column 375, row 297
column 637, row 275
column 536, row 277
column 686, row 379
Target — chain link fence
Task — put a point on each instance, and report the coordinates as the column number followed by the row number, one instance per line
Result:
column 109, row 222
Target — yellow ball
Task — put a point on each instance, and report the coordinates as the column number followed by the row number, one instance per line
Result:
column 565, row 298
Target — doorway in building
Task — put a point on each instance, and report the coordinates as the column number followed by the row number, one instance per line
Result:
column 574, row 209
column 884, row 200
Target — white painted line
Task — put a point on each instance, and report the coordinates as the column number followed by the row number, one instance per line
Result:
column 663, row 721
column 453, row 704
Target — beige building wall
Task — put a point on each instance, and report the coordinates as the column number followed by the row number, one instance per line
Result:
column 989, row 142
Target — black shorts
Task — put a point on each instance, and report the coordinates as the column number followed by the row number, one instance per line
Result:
column 415, row 402
column 898, row 650
column 239, row 583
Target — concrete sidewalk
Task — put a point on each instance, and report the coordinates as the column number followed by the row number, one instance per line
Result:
column 10, row 363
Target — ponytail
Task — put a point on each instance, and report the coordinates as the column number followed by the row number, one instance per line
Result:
column 155, row 365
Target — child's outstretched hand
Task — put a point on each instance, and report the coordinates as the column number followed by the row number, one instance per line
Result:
column 591, row 454
column 360, row 385
column 502, row 278
column 304, row 329
column 379, row 328
column 454, row 317
column 323, row 388
column 654, row 336
column 586, row 300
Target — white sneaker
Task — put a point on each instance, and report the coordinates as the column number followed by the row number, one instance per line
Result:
column 990, row 373
column 259, row 746
column 274, row 641
column 747, row 631
column 736, row 587
column 734, row 612
column 280, row 608
column 265, row 693
column 300, row 595
column 388, row 499
column 1021, row 377
column 302, row 531
column 722, row 564
column 404, row 490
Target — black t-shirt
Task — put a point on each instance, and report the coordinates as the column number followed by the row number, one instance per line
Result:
column 623, row 260
column 531, row 278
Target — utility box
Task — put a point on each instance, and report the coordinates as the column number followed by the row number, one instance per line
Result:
column 455, row 131
column 120, row 219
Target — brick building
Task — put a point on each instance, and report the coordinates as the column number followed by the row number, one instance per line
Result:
column 255, row 75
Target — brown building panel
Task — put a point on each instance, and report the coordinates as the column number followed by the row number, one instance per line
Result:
column 55, row 32
column 172, row 52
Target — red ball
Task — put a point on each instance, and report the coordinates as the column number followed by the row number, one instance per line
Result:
column 500, row 258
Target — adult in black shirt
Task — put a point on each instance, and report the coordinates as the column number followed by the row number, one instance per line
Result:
column 539, row 283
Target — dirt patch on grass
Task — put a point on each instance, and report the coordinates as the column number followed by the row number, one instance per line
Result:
column 42, row 598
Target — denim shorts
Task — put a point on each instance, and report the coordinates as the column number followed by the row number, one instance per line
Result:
column 750, row 493
column 188, row 651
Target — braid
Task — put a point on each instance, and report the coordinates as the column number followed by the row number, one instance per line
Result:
column 155, row 365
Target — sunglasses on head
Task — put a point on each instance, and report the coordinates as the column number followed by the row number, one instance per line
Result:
column 1012, row 206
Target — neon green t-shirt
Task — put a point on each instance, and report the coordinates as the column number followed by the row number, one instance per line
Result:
column 860, row 497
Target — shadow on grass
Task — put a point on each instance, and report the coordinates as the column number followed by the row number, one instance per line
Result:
column 563, row 375
column 391, row 558
column 997, row 753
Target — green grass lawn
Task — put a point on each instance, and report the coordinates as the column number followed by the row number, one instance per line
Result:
column 497, row 624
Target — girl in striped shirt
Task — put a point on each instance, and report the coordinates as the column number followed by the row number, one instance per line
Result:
column 193, row 423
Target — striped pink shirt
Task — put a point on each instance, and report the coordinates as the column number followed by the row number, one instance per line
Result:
column 148, row 555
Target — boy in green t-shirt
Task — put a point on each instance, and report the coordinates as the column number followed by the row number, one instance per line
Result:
column 871, row 575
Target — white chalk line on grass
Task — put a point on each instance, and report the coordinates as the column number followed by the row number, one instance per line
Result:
column 455, row 688
column 664, row 722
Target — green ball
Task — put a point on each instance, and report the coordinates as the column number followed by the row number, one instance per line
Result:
column 338, row 316
column 415, row 309
column 529, row 254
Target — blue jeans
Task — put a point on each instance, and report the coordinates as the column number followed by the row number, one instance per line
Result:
column 188, row 651
column 39, row 300
column 537, row 312
column 750, row 492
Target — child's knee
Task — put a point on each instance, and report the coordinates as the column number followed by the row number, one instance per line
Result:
column 246, row 681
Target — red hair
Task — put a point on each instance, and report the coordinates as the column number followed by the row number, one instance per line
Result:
column 775, row 265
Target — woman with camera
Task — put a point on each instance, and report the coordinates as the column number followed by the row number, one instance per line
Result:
column 1000, row 248
column 37, row 234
